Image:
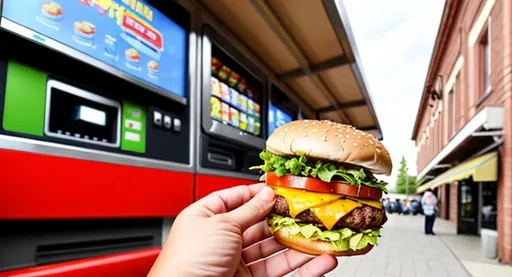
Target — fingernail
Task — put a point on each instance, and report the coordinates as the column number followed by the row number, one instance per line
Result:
column 267, row 193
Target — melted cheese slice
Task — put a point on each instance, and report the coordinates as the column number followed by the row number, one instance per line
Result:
column 327, row 207
column 301, row 200
column 375, row 204
column 330, row 213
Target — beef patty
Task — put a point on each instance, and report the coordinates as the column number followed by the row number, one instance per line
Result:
column 360, row 218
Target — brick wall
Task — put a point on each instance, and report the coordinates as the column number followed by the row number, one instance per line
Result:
column 469, row 101
column 453, row 202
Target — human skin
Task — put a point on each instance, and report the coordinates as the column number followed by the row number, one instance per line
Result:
column 224, row 234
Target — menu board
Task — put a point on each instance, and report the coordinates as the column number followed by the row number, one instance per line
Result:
column 277, row 118
column 233, row 101
column 129, row 35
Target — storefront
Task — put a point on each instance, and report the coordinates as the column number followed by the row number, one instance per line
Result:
column 475, row 183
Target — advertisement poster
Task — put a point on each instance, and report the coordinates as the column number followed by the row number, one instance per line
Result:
column 276, row 118
column 129, row 35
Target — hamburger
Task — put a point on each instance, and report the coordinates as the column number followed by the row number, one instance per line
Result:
column 328, row 199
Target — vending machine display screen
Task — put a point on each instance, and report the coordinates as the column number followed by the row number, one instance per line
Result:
column 129, row 35
column 276, row 118
column 234, row 101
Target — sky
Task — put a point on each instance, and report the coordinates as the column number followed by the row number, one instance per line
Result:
column 395, row 39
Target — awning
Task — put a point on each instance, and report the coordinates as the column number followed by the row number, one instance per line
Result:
column 483, row 169
column 309, row 48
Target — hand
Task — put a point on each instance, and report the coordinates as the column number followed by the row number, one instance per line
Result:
column 225, row 234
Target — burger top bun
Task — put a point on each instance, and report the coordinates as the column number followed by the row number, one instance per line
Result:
column 330, row 141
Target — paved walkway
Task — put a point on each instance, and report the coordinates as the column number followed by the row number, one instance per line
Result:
column 404, row 251
column 468, row 250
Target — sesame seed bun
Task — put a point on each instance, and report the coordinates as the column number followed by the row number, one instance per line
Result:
column 314, row 247
column 330, row 141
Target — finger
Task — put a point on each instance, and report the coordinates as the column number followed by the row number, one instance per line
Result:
column 261, row 250
column 280, row 264
column 254, row 210
column 223, row 201
column 256, row 233
column 318, row 266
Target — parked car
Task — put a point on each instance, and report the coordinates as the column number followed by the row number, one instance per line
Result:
column 387, row 206
column 396, row 206
column 405, row 209
column 416, row 207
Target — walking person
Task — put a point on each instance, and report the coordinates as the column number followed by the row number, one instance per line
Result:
column 429, row 203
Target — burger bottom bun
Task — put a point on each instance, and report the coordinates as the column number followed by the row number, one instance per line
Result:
column 314, row 247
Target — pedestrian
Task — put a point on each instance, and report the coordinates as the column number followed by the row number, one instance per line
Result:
column 429, row 203
column 225, row 234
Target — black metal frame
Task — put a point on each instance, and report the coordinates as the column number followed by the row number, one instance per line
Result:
column 214, row 128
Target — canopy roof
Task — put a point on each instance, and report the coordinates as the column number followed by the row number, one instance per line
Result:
column 309, row 47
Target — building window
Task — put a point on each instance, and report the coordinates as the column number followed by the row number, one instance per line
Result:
column 485, row 61
column 451, row 111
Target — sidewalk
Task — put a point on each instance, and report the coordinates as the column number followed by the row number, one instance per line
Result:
column 404, row 251
column 468, row 250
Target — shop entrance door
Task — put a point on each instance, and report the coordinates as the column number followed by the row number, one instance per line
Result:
column 468, row 207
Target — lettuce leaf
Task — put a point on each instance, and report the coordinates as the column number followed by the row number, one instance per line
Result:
column 299, row 165
column 342, row 239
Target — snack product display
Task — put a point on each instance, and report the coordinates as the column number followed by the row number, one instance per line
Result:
column 328, row 199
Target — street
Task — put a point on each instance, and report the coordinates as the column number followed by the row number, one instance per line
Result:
column 403, row 250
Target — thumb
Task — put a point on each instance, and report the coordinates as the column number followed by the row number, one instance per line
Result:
column 254, row 210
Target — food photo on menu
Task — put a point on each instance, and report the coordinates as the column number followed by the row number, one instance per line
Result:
column 131, row 36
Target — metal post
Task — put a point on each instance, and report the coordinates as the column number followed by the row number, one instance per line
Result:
column 406, row 182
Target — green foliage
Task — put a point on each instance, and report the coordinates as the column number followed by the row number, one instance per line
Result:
column 405, row 183
column 324, row 171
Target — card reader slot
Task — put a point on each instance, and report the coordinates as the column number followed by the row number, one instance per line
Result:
column 220, row 159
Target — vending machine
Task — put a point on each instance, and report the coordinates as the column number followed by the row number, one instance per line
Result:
column 234, row 104
column 96, row 141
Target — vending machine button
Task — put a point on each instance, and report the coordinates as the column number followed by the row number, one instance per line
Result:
column 177, row 125
column 167, row 122
column 157, row 118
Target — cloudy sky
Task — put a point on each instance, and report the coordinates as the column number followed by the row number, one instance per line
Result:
column 395, row 39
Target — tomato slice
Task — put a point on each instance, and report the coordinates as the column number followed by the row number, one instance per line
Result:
column 313, row 184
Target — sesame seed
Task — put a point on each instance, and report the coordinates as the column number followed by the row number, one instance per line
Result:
column 338, row 135
column 324, row 138
column 371, row 142
column 314, row 130
column 305, row 134
column 343, row 141
column 377, row 149
column 305, row 125
column 347, row 136
column 365, row 144
column 326, row 129
column 293, row 127
column 355, row 144
column 359, row 137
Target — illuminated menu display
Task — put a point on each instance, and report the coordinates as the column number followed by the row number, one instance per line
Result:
column 129, row 35
column 233, row 101
column 277, row 118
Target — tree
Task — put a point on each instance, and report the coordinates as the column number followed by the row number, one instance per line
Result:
column 404, row 182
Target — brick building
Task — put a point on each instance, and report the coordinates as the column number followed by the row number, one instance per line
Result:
column 463, row 129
